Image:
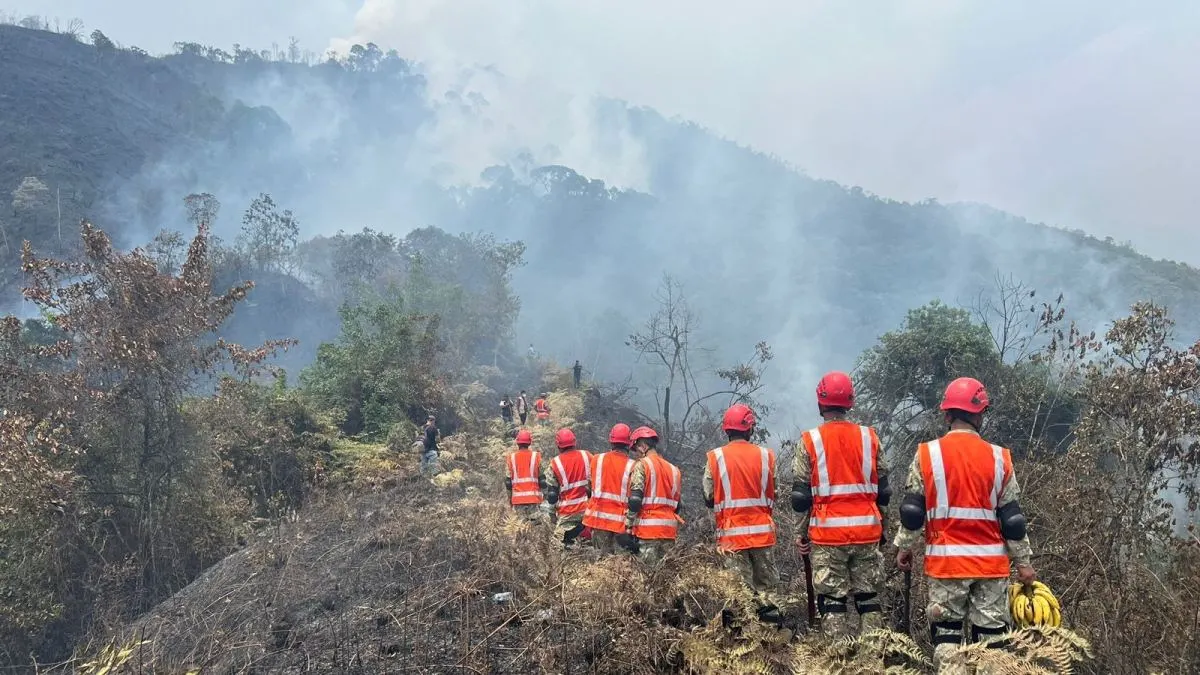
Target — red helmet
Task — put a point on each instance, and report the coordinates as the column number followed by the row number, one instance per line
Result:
column 620, row 435
column 565, row 439
column 835, row 390
column 642, row 432
column 524, row 437
column 739, row 417
column 967, row 394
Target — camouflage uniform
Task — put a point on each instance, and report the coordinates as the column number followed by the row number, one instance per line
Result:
column 842, row 571
column 756, row 566
column 981, row 602
column 605, row 541
column 650, row 551
column 566, row 528
column 530, row 512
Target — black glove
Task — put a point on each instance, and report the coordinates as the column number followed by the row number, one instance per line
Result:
column 628, row 542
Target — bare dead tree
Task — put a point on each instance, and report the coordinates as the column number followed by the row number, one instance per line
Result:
column 668, row 342
column 1012, row 317
column 665, row 342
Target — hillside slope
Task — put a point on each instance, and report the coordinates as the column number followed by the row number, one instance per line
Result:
column 764, row 251
column 398, row 575
column 85, row 121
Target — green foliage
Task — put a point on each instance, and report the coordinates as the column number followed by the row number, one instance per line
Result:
column 380, row 369
column 269, row 236
column 270, row 441
column 936, row 344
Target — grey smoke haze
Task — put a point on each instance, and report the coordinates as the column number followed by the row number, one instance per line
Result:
column 1078, row 112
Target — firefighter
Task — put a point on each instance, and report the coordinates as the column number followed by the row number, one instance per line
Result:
column 739, row 486
column 961, row 490
column 522, row 468
column 567, row 478
column 652, row 517
column 542, row 409
column 844, row 495
column 610, row 491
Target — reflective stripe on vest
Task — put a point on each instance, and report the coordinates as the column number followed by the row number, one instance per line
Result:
column 610, row 492
column 656, row 520
column 843, row 456
column 525, row 488
column 574, row 473
column 743, row 495
column 962, row 531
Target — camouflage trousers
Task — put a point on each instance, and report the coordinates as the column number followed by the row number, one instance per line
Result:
column 530, row 512
column 756, row 567
column 961, row 606
column 843, row 573
column 566, row 530
column 651, row 551
column 606, row 542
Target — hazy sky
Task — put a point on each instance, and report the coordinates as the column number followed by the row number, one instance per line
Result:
column 1082, row 113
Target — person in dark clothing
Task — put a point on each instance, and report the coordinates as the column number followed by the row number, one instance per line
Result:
column 522, row 407
column 429, row 457
column 506, row 409
column 578, row 370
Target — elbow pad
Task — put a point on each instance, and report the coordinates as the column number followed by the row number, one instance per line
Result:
column 552, row 494
column 708, row 501
column 885, row 492
column 635, row 501
column 912, row 512
column 508, row 484
column 1012, row 521
column 801, row 497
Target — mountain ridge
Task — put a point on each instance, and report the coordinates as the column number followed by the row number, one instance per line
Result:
column 353, row 143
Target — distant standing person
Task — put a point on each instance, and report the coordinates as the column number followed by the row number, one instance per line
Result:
column 429, row 457
column 578, row 371
column 506, row 409
column 522, row 407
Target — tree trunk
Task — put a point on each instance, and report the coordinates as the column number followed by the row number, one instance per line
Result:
column 666, row 421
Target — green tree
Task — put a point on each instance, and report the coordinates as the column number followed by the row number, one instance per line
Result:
column 901, row 379
column 380, row 370
column 269, row 236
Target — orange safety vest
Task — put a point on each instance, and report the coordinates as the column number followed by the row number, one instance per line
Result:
column 844, row 460
column 543, row 410
column 523, row 465
column 573, row 469
column 743, row 495
column 610, row 491
column 964, row 476
column 660, row 500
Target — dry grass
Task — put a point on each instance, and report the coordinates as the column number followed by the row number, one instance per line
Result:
column 395, row 574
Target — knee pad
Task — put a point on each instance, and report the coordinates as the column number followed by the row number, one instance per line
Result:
column 827, row 604
column 867, row 602
column 945, row 632
column 979, row 634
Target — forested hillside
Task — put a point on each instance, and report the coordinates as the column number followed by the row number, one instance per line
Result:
column 363, row 141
